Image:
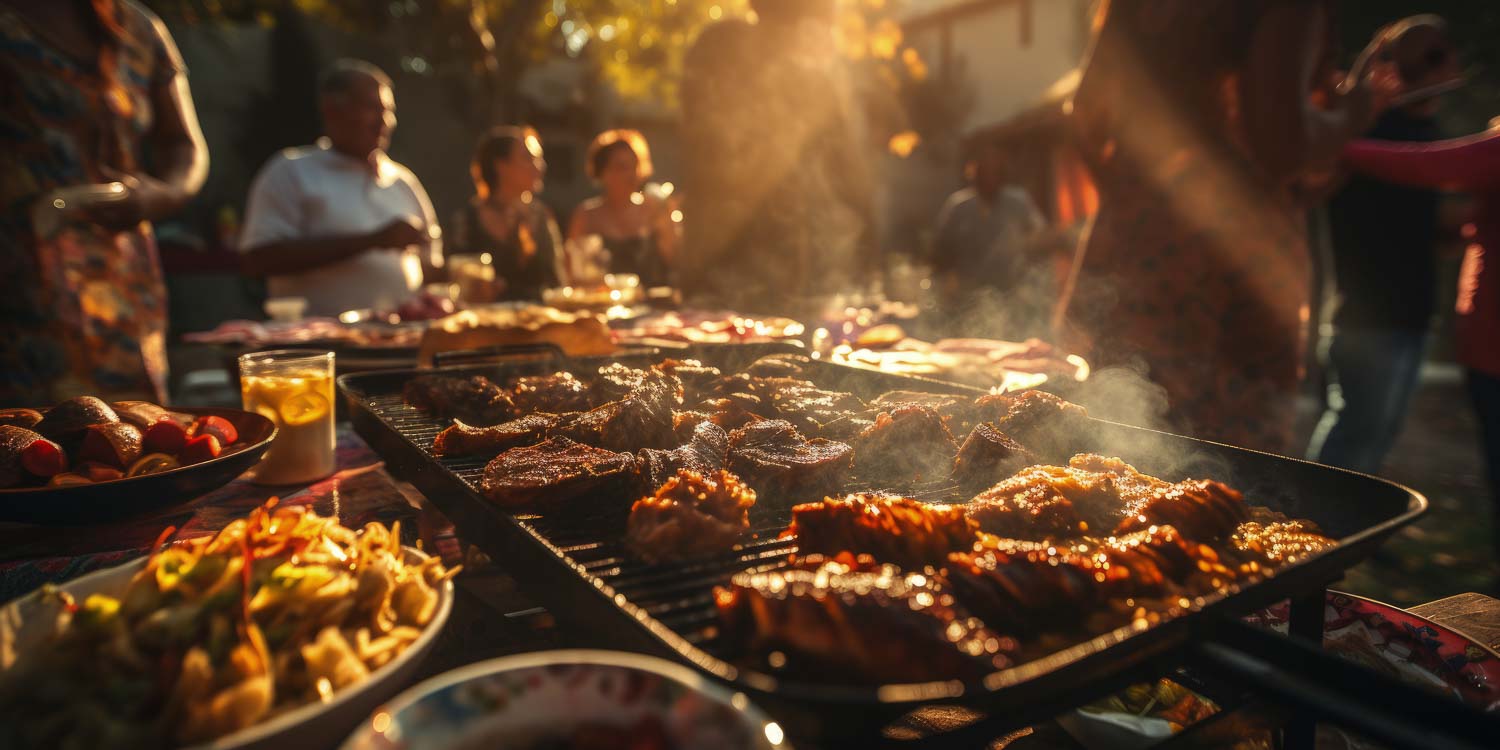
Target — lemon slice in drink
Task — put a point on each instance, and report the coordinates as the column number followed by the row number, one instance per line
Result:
column 304, row 408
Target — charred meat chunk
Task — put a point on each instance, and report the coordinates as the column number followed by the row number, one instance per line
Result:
column 989, row 455
column 463, row 440
column 615, row 380
column 910, row 442
column 854, row 620
column 475, row 400
column 776, row 460
column 704, row 453
column 733, row 411
column 943, row 403
column 805, row 405
column 13, row 443
column 553, row 394
column 67, row 421
column 643, row 418
column 689, row 515
column 1028, row 505
column 896, row 530
column 1048, row 426
column 1203, row 509
column 696, row 377
column 1278, row 543
column 558, row 472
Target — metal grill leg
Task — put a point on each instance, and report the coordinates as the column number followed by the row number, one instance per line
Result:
column 1305, row 621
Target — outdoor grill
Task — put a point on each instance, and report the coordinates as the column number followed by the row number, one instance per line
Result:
column 574, row 563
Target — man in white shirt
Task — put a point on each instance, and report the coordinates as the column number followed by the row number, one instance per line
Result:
column 338, row 222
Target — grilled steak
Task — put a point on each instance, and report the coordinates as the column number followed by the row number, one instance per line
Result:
column 777, row 461
column 474, row 400
column 689, row 515
column 704, row 453
column 643, row 418
column 556, row 472
column 895, row 530
column 1048, row 426
column 696, row 377
column 989, row 455
column 463, row 440
column 856, row 621
column 554, row 394
column 908, row 443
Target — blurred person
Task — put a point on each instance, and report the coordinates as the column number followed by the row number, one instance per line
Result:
column 779, row 183
column 985, row 231
column 505, row 217
column 1384, row 238
column 1197, row 121
column 1470, row 165
column 95, row 93
column 339, row 222
column 636, row 227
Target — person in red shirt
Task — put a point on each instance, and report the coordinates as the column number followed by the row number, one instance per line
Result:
column 1471, row 165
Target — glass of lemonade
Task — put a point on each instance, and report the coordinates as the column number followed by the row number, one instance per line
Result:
column 294, row 389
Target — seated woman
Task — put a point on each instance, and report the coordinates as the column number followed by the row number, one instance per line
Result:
column 505, row 219
column 637, row 229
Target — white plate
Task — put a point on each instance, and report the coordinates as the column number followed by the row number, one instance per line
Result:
column 517, row 700
column 27, row 621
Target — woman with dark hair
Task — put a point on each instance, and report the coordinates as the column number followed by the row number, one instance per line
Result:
column 637, row 228
column 505, row 219
column 1198, row 121
column 98, row 139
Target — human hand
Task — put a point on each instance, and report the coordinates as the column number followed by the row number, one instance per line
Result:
column 145, row 198
column 399, row 233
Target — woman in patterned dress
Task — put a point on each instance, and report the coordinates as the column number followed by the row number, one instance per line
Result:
column 94, row 93
column 1197, row 119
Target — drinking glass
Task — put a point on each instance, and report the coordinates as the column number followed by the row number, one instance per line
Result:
column 294, row 389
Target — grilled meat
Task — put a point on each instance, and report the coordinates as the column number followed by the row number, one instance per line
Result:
column 67, row 421
column 1032, row 505
column 695, row 376
column 856, row 621
column 777, row 461
column 13, row 443
column 945, row 404
column 474, row 400
column 704, row 453
column 556, row 472
column 1278, row 543
column 689, row 515
column 1030, row 586
column 614, row 381
column 733, row 411
column 1048, row 426
column 989, row 455
column 553, row 394
column 1203, row 509
column 463, row 440
column 895, row 530
column 643, row 418
column 778, row 366
column 910, row 442
column 26, row 418
column 805, row 405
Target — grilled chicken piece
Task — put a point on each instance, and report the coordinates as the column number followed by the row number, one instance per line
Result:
column 909, row 443
column 474, row 400
column 896, row 530
column 856, row 621
column 463, row 440
column 689, row 515
column 704, row 453
column 989, row 455
column 1048, row 426
column 26, row 418
column 643, row 418
column 557, row 393
column 1031, row 505
column 557, row 472
column 67, row 421
column 1278, row 543
column 805, row 405
column 1029, row 586
column 777, row 461
column 1203, row 509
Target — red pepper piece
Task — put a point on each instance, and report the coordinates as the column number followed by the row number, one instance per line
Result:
column 219, row 427
column 166, row 436
column 44, row 458
column 199, row 449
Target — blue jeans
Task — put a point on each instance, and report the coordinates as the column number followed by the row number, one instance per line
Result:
column 1375, row 373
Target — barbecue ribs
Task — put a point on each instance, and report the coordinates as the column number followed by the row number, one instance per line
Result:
column 689, row 515
column 895, row 530
column 856, row 621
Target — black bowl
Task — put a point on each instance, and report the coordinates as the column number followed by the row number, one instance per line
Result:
column 102, row 502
